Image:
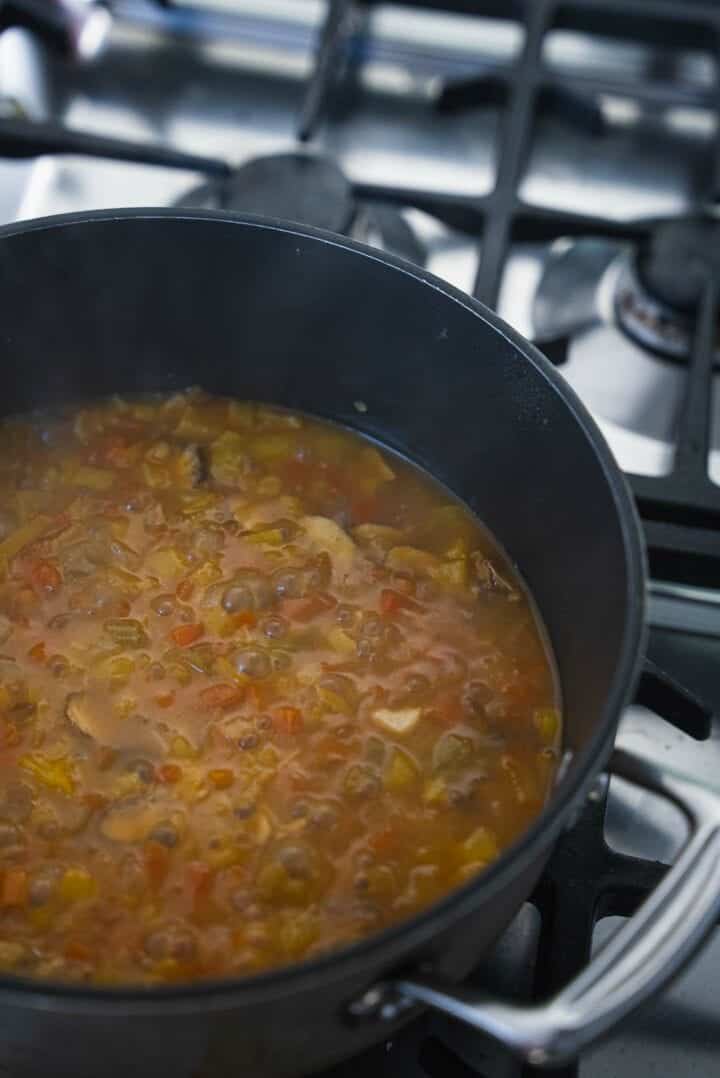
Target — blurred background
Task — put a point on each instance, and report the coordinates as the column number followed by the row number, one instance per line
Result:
column 557, row 159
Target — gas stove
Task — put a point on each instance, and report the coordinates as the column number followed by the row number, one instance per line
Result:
column 561, row 162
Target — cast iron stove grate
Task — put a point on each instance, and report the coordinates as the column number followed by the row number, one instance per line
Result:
column 551, row 938
column 585, row 879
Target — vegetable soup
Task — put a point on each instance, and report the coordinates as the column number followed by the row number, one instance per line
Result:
column 264, row 690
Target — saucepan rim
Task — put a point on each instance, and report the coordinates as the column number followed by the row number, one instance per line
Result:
column 372, row 952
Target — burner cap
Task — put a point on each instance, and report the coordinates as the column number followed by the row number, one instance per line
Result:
column 300, row 187
column 651, row 322
column 679, row 258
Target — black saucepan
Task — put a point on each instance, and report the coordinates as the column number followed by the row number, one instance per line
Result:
column 155, row 300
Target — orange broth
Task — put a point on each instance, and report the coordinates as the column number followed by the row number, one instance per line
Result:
column 264, row 690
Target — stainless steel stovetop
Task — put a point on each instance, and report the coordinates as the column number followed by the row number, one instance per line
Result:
column 228, row 82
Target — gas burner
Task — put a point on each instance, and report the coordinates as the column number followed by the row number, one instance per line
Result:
column 296, row 186
column 650, row 291
column 664, row 330
column 601, row 311
column 312, row 190
column 678, row 259
column 657, row 291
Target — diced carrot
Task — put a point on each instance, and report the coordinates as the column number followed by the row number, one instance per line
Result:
column 337, row 478
column 107, row 444
column 384, row 842
column 447, row 710
column 245, row 617
column 295, row 470
column 169, row 773
column 117, row 456
column 37, row 652
column 217, row 740
column 221, row 697
column 221, row 777
column 349, row 667
column 184, row 590
column 363, row 509
column 254, row 697
column 389, row 601
column 239, row 938
column 157, row 863
column 199, row 877
column 405, row 585
column 105, row 757
column 118, row 453
column 165, row 699
column 393, row 601
column 14, row 890
column 307, row 608
column 519, row 692
column 45, row 577
column 289, row 719
column 184, row 635
column 59, row 524
column 198, row 874
column 299, row 780
column 76, row 951
column 299, row 609
column 9, row 735
column 94, row 801
column 331, row 746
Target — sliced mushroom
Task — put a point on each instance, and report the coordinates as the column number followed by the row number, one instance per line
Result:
column 190, row 466
column 17, row 803
column 451, row 751
column 132, row 821
column 90, row 714
column 166, row 834
column 326, row 535
column 488, row 577
column 173, row 940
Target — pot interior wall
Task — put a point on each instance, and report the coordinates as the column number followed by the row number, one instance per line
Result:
column 138, row 304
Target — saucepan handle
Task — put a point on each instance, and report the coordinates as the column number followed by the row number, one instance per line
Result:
column 640, row 959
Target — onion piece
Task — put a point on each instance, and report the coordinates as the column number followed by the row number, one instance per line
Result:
column 397, row 721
